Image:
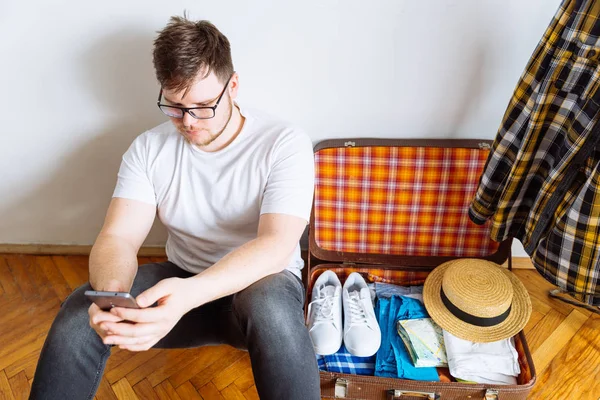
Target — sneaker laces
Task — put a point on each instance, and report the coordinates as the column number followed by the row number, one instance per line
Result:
column 358, row 315
column 323, row 307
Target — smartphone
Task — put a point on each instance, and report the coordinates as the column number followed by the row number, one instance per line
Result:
column 108, row 300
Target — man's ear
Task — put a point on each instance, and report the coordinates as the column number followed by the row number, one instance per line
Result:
column 234, row 84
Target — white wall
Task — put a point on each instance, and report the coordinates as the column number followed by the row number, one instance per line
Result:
column 78, row 84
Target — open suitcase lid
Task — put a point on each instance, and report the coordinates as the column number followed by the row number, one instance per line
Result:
column 399, row 203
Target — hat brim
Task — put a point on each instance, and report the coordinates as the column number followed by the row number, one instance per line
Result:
column 513, row 324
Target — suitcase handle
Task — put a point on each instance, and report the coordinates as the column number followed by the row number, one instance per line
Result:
column 394, row 394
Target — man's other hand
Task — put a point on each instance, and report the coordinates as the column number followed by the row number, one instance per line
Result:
column 150, row 324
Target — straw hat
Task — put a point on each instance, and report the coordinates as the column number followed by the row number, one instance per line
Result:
column 476, row 300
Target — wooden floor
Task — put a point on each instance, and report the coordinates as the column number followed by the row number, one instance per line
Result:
column 564, row 341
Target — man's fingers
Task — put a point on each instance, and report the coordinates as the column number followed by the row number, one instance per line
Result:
column 103, row 316
column 128, row 340
column 152, row 314
column 99, row 318
column 132, row 330
column 137, row 347
column 151, row 295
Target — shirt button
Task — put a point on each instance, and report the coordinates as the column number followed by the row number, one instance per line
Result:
column 592, row 53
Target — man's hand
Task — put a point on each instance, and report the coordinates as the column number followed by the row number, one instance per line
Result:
column 99, row 318
column 149, row 324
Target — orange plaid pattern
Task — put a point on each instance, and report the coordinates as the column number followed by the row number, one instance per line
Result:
column 399, row 201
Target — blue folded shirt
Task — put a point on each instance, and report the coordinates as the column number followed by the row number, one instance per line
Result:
column 392, row 359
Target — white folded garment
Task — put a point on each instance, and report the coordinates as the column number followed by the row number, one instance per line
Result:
column 495, row 362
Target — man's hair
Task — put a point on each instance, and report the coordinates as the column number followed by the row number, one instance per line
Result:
column 184, row 49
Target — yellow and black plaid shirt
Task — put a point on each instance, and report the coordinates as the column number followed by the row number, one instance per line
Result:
column 541, row 182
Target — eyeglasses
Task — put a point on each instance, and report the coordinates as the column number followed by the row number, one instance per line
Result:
column 196, row 112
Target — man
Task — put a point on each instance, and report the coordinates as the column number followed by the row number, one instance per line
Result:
column 234, row 190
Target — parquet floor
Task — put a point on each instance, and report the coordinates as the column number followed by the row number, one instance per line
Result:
column 564, row 341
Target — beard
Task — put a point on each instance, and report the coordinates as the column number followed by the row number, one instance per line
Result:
column 201, row 140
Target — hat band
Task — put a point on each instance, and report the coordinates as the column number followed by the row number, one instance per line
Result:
column 472, row 319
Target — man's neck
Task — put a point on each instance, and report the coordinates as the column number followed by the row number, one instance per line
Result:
column 232, row 130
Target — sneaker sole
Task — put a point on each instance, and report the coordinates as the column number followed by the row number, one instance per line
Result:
column 327, row 351
column 363, row 353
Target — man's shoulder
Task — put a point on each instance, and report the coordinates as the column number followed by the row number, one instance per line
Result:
column 271, row 127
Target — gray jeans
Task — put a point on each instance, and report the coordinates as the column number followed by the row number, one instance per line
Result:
column 266, row 318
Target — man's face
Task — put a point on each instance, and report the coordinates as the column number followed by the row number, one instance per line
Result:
column 203, row 93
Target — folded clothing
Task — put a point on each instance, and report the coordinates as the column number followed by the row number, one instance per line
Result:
column 494, row 362
column 344, row 362
column 390, row 289
column 393, row 359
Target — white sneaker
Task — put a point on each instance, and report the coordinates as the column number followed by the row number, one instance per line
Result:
column 362, row 335
column 325, row 314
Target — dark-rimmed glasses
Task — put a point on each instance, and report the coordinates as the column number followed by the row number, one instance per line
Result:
column 196, row 112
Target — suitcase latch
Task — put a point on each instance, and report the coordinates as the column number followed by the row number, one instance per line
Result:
column 491, row 394
column 349, row 144
column 341, row 388
column 484, row 146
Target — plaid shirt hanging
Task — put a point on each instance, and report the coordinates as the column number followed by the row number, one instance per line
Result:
column 541, row 182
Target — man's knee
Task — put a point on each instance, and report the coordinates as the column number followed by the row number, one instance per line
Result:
column 71, row 326
column 273, row 304
column 149, row 275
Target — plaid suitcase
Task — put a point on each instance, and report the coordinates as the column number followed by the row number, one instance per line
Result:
column 393, row 210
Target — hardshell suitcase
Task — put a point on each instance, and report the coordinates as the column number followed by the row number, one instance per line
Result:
column 393, row 210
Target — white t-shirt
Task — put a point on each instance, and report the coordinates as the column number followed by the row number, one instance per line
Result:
column 210, row 203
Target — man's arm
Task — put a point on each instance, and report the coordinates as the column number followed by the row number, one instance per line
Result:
column 113, row 260
column 269, row 253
